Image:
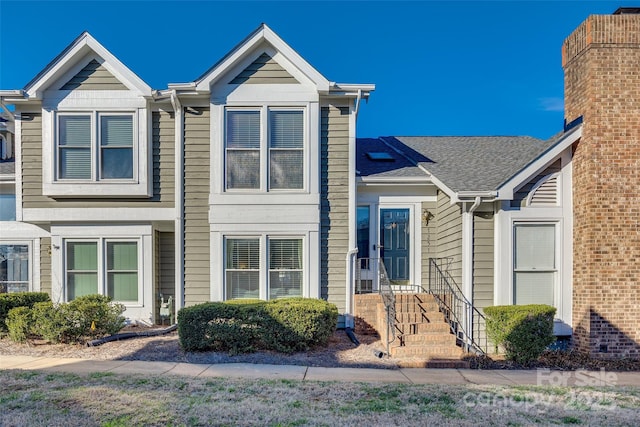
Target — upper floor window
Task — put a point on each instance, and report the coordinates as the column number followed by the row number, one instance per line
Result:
column 95, row 146
column 264, row 149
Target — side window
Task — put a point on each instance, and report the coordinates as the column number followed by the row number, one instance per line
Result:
column 534, row 264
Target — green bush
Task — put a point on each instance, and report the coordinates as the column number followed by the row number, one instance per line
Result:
column 84, row 318
column 524, row 331
column 284, row 325
column 18, row 299
column 19, row 322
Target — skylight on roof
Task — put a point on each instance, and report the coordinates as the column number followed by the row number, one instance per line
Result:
column 380, row 156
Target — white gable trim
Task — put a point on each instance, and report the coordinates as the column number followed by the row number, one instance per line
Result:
column 238, row 54
column 507, row 190
column 84, row 46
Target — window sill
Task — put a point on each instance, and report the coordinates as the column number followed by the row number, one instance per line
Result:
column 95, row 189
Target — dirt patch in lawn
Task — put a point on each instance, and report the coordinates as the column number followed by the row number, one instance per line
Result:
column 339, row 352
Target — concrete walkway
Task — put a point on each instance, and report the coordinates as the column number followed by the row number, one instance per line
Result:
column 309, row 373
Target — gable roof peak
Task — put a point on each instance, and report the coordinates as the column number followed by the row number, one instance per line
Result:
column 81, row 46
column 263, row 33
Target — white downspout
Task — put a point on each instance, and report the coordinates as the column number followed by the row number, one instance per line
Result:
column 351, row 265
column 467, row 257
column 179, row 194
column 352, row 243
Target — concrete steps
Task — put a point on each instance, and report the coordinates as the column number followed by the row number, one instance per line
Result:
column 423, row 336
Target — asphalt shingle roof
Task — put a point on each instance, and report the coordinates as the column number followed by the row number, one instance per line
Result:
column 400, row 167
column 462, row 163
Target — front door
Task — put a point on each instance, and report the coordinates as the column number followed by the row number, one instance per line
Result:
column 394, row 244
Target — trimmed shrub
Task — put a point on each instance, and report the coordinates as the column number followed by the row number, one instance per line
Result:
column 19, row 322
column 524, row 331
column 18, row 299
column 300, row 323
column 284, row 325
column 84, row 318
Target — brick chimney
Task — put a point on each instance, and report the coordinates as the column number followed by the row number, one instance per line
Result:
column 601, row 61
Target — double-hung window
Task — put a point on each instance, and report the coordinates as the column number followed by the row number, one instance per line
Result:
column 95, row 146
column 104, row 266
column 264, row 267
column 14, row 268
column 534, row 269
column 264, row 149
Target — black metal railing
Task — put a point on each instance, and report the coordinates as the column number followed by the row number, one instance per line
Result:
column 466, row 322
column 369, row 272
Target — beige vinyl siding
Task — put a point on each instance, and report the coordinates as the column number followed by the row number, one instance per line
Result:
column 429, row 233
column 334, row 213
column 163, row 169
column 264, row 70
column 483, row 257
column 45, row 265
column 165, row 267
column 196, row 206
column 449, row 235
column 520, row 197
column 93, row 77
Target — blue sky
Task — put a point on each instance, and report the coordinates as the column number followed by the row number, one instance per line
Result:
column 441, row 68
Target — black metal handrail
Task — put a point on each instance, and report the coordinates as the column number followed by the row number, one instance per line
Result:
column 376, row 269
column 465, row 320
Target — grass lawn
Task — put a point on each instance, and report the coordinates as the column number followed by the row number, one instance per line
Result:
column 30, row 398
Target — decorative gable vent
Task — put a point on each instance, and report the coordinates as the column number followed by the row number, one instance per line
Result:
column 545, row 192
column 264, row 70
column 94, row 76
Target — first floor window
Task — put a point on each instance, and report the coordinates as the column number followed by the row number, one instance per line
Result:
column 14, row 268
column 285, row 268
column 268, row 267
column 534, row 269
column 106, row 267
column 122, row 271
column 243, row 268
column 82, row 269
column 95, row 146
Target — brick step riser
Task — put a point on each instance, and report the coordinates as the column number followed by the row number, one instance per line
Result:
column 436, row 352
column 422, row 339
column 413, row 308
column 414, row 298
column 440, row 364
column 420, row 318
column 422, row 328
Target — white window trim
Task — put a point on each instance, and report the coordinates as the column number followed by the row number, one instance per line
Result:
column 557, row 258
column 263, row 239
column 33, row 259
column 139, row 186
column 143, row 309
column 265, row 172
column 101, row 243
